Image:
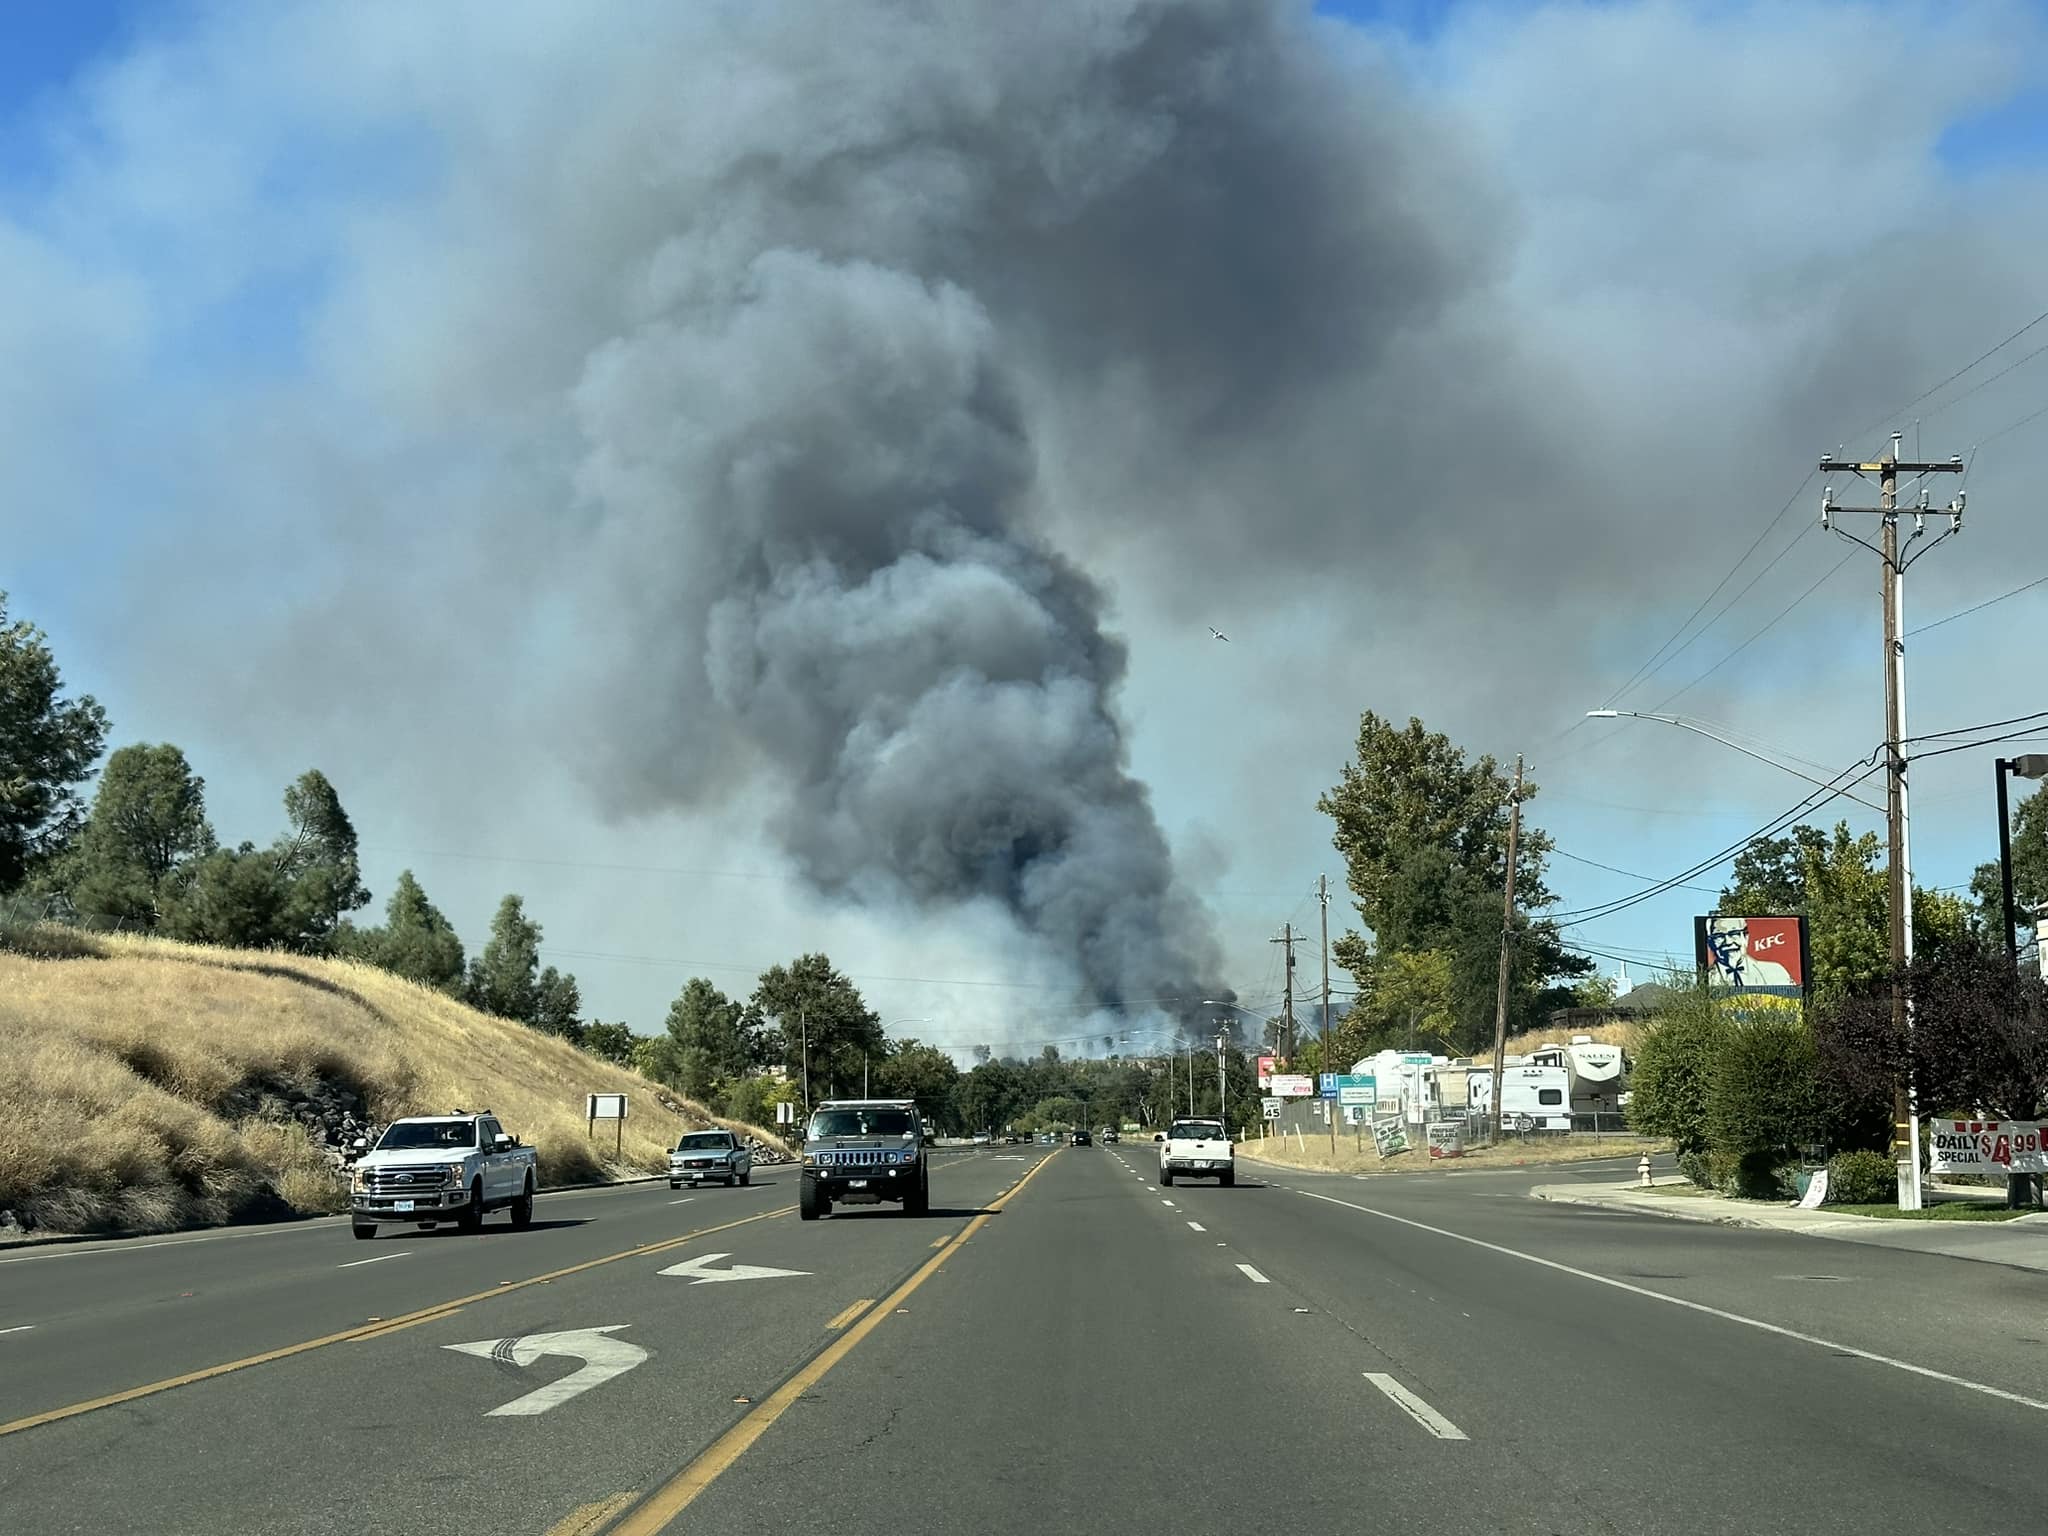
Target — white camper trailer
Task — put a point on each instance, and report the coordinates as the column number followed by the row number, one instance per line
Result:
column 1598, row 1073
column 1541, row 1093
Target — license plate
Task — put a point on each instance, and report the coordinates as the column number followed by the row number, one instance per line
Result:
column 856, row 1183
column 401, row 1205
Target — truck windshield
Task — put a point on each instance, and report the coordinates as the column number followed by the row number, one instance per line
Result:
column 861, row 1122
column 1196, row 1130
column 706, row 1141
column 409, row 1134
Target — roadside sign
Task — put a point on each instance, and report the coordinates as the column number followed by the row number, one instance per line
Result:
column 1272, row 1107
column 1985, row 1148
column 1416, row 1059
column 605, row 1106
column 1267, row 1065
column 1389, row 1137
column 1293, row 1085
column 1326, row 1085
column 1447, row 1138
column 785, row 1112
column 1356, row 1088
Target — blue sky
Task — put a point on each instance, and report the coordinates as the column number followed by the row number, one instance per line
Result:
column 1620, row 802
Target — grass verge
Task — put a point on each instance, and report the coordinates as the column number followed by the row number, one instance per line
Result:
column 144, row 1085
column 1947, row 1210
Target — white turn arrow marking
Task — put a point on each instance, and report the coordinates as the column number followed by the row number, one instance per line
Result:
column 700, row 1272
column 603, row 1358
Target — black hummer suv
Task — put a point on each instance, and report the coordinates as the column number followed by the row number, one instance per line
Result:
column 862, row 1152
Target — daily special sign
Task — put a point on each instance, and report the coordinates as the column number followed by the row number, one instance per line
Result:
column 1987, row 1149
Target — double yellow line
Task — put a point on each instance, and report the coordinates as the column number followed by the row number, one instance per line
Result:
column 366, row 1330
column 655, row 1512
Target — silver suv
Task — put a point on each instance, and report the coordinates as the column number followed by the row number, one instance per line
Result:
column 862, row 1152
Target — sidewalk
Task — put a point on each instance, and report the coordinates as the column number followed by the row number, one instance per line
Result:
column 2021, row 1243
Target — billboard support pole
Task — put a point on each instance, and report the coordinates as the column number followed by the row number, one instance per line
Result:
column 1507, row 935
column 1323, row 896
column 1898, row 823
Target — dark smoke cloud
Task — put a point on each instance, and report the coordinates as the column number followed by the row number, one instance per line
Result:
column 817, row 459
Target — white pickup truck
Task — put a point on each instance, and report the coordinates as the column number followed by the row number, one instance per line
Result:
column 427, row 1169
column 1197, row 1149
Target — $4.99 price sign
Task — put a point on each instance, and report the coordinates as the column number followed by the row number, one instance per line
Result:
column 1986, row 1148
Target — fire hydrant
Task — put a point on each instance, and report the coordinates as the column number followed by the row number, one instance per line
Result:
column 1643, row 1171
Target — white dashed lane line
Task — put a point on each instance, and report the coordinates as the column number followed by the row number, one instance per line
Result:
column 379, row 1259
column 1415, row 1407
column 1252, row 1274
column 1196, row 1226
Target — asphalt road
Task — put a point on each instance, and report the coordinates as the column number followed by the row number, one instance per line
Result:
column 1061, row 1345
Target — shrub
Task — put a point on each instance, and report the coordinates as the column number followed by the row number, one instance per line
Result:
column 1760, row 1097
column 47, row 941
column 1862, row 1178
column 1668, row 1085
column 1697, row 1167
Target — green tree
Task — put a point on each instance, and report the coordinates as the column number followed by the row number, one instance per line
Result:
column 913, row 1070
column 416, row 941
column 1423, row 831
column 609, row 1042
column 316, row 859
column 233, row 897
column 705, row 1020
column 48, row 744
column 808, row 999
column 1770, row 874
column 148, row 823
column 556, row 1003
column 504, row 979
column 2029, row 870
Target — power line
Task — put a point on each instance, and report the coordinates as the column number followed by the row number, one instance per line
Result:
column 1988, row 725
column 1766, row 532
column 1944, row 384
column 1978, row 607
column 1759, row 633
column 1612, row 870
column 1984, row 383
column 1834, row 789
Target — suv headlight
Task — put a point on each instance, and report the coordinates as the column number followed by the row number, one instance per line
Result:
column 810, row 1159
column 359, row 1179
column 456, row 1173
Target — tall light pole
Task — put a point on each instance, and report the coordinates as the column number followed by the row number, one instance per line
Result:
column 2019, row 1187
column 1222, row 1086
column 1701, row 728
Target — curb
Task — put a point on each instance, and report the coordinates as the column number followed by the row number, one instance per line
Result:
column 1646, row 1209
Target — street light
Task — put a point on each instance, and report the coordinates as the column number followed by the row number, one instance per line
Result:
column 1685, row 723
column 2019, row 1187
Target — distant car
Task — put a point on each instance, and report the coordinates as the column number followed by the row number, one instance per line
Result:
column 981, row 1138
column 1080, row 1138
column 442, row 1168
column 1201, row 1149
column 704, row 1155
column 1109, row 1138
column 1048, row 1139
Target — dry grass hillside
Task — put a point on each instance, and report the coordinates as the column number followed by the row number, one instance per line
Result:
column 147, row 1085
column 1625, row 1033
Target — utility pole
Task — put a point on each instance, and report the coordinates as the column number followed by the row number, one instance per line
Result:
column 1507, row 939
column 1287, row 985
column 1898, row 825
column 1323, row 896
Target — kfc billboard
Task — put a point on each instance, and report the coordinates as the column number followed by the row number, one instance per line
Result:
column 1753, row 954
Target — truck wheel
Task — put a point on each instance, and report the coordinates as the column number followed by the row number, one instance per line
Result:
column 1228, row 1180
column 811, row 1202
column 522, row 1208
column 361, row 1230
column 673, row 1186
column 472, row 1217
column 746, row 1177
column 919, row 1201
column 1166, row 1177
